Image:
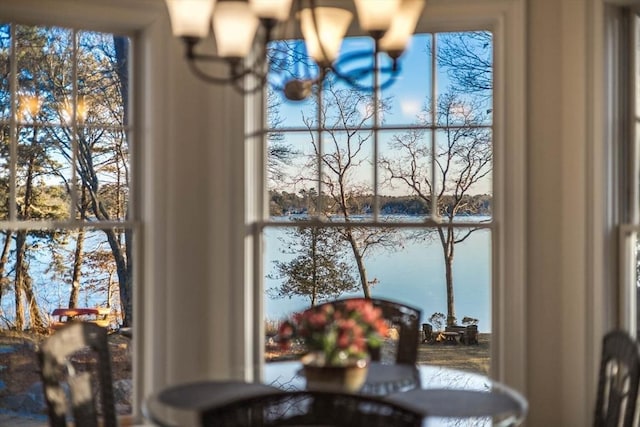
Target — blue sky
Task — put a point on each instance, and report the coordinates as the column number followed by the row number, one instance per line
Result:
column 407, row 97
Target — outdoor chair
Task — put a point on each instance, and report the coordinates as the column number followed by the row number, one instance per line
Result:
column 310, row 408
column 470, row 335
column 618, row 381
column 427, row 333
column 59, row 373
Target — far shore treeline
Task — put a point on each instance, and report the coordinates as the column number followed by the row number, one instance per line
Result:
column 285, row 203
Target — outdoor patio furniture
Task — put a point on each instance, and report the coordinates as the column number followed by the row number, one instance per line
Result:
column 427, row 333
column 97, row 315
column 470, row 335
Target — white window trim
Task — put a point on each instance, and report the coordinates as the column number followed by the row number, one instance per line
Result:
column 506, row 19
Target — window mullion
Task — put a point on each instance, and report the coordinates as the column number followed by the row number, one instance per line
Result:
column 320, row 153
column 13, row 139
column 434, row 94
column 74, row 126
column 376, row 124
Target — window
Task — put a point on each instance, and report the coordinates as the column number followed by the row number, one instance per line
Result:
column 624, row 163
column 397, row 205
column 67, row 222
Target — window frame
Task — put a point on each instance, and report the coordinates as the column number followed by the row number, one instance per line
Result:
column 505, row 19
column 143, row 22
column 623, row 142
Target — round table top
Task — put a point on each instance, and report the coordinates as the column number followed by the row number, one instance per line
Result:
column 440, row 394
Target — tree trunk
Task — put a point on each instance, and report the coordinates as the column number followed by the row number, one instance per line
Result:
column 78, row 255
column 122, row 257
column 314, row 271
column 362, row 270
column 23, row 285
column 447, row 240
column 77, row 269
column 4, row 257
column 448, row 246
column 451, row 308
column 36, row 322
column 19, row 306
column 21, row 242
column 124, row 277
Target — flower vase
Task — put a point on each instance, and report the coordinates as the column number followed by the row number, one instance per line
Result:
column 348, row 378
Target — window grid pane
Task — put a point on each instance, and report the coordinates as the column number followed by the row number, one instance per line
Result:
column 399, row 188
column 66, row 224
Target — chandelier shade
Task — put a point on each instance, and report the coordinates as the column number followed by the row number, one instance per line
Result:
column 190, row 18
column 229, row 17
column 397, row 37
column 376, row 15
column 323, row 29
column 243, row 30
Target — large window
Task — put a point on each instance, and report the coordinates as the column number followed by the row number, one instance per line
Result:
column 66, row 219
column 388, row 194
column 625, row 102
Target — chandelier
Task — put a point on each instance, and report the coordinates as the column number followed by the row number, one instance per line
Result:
column 257, row 41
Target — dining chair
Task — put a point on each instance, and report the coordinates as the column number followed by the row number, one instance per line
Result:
column 618, row 379
column 402, row 318
column 311, row 408
column 60, row 373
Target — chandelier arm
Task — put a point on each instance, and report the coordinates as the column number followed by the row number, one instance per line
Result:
column 352, row 78
column 238, row 71
column 204, row 57
column 193, row 66
column 239, row 87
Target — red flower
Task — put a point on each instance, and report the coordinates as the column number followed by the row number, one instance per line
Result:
column 341, row 331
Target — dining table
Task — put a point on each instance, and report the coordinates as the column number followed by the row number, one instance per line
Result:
column 443, row 396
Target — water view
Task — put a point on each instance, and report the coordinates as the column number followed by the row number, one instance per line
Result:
column 413, row 274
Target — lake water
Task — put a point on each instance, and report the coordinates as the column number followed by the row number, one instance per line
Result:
column 414, row 275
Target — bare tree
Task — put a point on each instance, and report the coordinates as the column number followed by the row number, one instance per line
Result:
column 468, row 59
column 463, row 162
column 279, row 153
column 343, row 151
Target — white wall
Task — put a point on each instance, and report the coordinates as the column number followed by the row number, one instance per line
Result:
column 565, row 263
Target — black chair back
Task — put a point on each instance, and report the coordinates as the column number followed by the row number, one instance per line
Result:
column 404, row 319
column 618, row 381
column 311, row 408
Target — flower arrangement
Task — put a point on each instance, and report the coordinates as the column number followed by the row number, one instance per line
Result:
column 337, row 334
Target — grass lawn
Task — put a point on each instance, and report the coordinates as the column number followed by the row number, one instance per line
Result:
column 470, row 358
